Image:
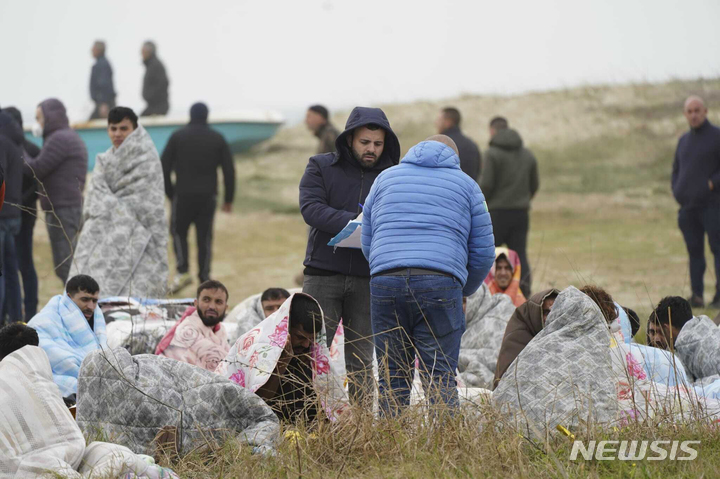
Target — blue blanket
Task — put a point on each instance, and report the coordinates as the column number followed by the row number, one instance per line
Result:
column 66, row 337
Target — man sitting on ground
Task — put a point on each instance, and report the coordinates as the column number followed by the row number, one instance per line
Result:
column 505, row 275
column 667, row 320
column 200, row 338
column 15, row 336
column 70, row 326
column 253, row 310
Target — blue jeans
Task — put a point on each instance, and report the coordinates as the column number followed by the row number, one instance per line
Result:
column 416, row 315
column 10, row 296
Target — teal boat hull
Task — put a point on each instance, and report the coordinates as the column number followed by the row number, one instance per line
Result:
column 241, row 135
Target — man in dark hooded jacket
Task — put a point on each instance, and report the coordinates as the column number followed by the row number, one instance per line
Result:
column 24, row 240
column 155, row 83
column 509, row 181
column 11, row 139
column 195, row 153
column 60, row 169
column 332, row 192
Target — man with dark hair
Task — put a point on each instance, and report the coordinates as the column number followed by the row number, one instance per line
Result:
column 15, row 336
column 194, row 153
column 124, row 237
column 60, row 169
column 272, row 299
column 70, row 326
column 317, row 120
column 696, row 187
column 102, row 90
column 253, row 310
column 665, row 323
column 11, row 140
column 155, row 83
column 24, row 239
column 509, row 182
column 200, row 337
column 448, row 123
column 332, row 192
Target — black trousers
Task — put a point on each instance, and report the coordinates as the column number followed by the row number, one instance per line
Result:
column 511, row 228
column 695, row 224
column 200, row 211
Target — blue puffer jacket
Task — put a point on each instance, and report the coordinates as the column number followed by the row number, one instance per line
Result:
column 427, row 213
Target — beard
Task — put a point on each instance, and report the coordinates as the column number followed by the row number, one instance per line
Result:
column 364, row 161
column 210, row 322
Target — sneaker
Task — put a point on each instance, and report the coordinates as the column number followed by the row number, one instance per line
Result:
column 179, row 282
column 696, row 301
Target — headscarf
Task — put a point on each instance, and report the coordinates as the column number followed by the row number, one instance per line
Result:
column 513, row 290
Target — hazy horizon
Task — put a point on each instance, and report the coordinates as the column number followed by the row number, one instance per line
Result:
column 286, row 55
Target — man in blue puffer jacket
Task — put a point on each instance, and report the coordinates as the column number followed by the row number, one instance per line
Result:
column 429, row 239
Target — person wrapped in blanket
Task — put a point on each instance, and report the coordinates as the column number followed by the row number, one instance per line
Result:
column 41, row 437
column 199, row 338
column 504, row 277
column 70, row 326
column 285, row 360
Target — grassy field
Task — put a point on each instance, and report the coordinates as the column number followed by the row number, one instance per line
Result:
column 604, row 214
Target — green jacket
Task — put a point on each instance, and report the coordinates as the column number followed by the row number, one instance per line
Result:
column 509, row 177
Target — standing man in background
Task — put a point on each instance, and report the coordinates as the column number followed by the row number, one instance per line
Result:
column 332, row 192
column 60, row 169
column 448, row 124
column 509, row 182
column 195, row 153
column 317, row 120
column 102, row 91
column 155, row 83
column 696, row 187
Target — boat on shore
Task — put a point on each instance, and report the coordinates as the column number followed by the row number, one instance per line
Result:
column 241, row 131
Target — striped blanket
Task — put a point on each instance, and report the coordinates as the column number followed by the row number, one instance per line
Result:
column 66, row 337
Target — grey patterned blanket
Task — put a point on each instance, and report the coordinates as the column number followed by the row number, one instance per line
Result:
column 698, row 347
column 486, row 316
column 123, row 242
column 131, row 398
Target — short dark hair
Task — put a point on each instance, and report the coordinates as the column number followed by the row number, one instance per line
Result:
column 15, row 114
column 305, row 312
column 604, row 301
column 673, row 309
column 634, row 320
column 212, row 284
column 119, row 113
column 499, row 123
column 151, row 45
column 15, row 336
column 320, row 110
column 452, row 114
column 81, row 282
column 272, row 294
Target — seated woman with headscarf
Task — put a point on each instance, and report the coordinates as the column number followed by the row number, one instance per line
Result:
column 505, row 275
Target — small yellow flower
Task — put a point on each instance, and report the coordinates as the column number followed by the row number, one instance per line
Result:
column 565, row 431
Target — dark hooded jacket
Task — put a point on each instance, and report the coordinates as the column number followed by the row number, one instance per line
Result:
column 155, row 88
column 11, row 140
column 62, row 163
column 510, row 176
column 468, row 151
column 525, row 323
column 331, row 191
column 195, row 153
column 29, row 185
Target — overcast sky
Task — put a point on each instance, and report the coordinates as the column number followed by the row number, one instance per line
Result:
column 287, row 54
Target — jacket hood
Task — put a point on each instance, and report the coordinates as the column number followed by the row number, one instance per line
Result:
column 10, row 129
column 532, row 313
column 432, row 154
column 55, row 116
column 361, row 116
column 507, row 139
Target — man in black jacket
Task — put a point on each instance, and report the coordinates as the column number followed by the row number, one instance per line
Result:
column 102, row 91
column 448, row 123
column 332, row 191
column 195, row 152
column 24, row 240
column 155, row 83
column 696, row 187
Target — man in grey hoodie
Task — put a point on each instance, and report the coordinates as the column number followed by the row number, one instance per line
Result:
column 60, row 169
column 509, row 181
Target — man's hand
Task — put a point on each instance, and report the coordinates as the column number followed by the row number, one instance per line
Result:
column 710, row 185
column 227, row 207
column 104, row 110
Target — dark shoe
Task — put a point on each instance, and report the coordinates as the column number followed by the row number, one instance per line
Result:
column 696, row 301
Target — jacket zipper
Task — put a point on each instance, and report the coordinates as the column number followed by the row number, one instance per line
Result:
column 362, row 182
